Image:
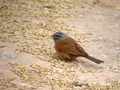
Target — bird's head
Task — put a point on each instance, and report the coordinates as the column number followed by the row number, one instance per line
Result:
column 58, row 36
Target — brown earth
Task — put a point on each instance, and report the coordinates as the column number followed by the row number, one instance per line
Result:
column 27, row 56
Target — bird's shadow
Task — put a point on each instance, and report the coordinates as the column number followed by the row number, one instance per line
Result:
column 80, row 62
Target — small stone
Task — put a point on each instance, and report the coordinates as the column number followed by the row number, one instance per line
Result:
column 7, row 53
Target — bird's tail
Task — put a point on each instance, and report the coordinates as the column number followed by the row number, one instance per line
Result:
column 94, row 59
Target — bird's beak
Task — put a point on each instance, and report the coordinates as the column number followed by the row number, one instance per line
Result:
column 52, row 36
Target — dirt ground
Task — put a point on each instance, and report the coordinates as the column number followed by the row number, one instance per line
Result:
column 27, row 56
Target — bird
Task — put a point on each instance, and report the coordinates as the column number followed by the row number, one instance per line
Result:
column 68, row 49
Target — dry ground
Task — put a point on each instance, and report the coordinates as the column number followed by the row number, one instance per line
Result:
column 27, row 56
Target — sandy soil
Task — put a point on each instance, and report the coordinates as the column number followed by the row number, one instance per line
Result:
column 27, row 56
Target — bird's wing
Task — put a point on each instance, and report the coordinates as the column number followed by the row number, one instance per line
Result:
column 68, row 46
column 81, row 50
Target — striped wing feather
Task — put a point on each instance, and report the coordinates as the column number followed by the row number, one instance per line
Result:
column 69, row 46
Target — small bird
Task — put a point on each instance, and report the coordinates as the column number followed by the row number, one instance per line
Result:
column 68, row 49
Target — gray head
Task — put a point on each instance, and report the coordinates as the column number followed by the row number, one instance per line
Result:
column 58, row 36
